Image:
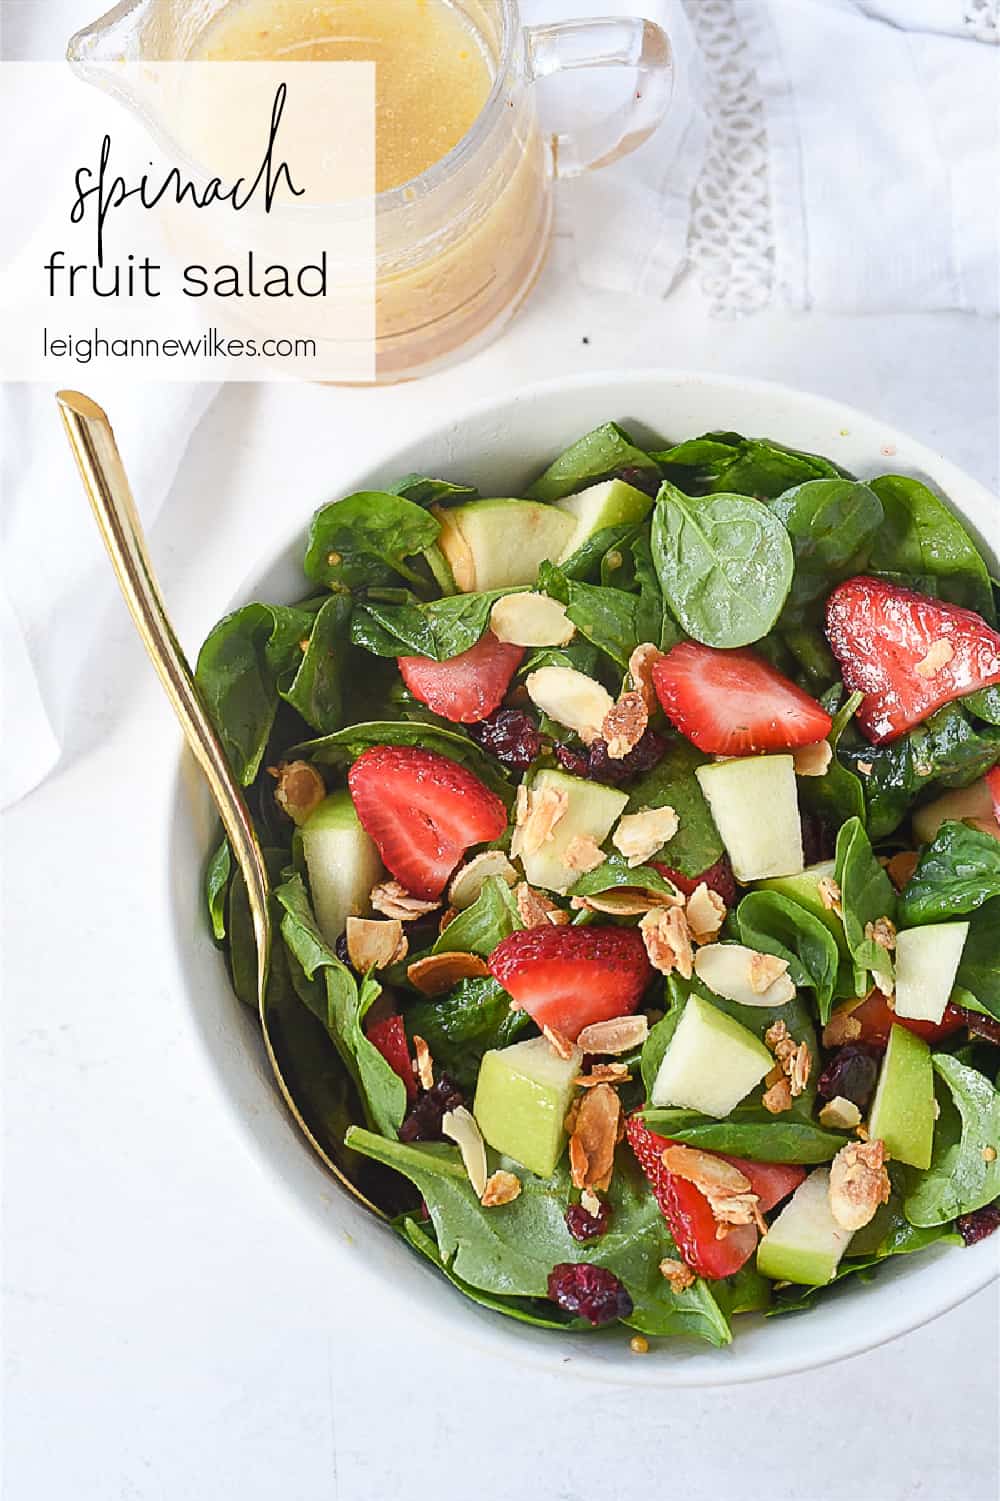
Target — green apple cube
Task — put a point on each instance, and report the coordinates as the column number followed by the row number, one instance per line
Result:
column 712, row 1062
column 611, row 503
column 805, row 1243
column 754, row 801
column 591, row 811
column 804, row 889
column 902, row 1113
column 342, row 862
column 973, row 804
column 499, row 543
column 522, row 1097
column 927, row 962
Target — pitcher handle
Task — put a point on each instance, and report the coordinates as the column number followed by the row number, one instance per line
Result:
column 608, row 41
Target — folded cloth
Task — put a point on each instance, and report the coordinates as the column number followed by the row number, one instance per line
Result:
column 977, row 18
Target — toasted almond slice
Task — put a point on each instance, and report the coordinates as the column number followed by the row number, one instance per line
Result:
column 707, row 1172
column 603, row 1073
column 639, row 835
column 668, row 941
column 812, row 760
column 501, row 1188
column 939, row 654
column 467, row 884
column 438, row 973
column 583, row 854
column 424, row 1063
column 677, row 1273
column 559, row 1043
column 393, row 900
column 705, row 912
column 571, row 699
column 372, row 944
column 882, row 932
column 640, row 670
column 537, row 814
column 799, row 1067
column 829, row 895
column 625, row 724
column 595, row 1135
column 534, row 908
column 776, row 1034
column 625, row 901
column 737, row 973
column 459, row 1125
column 619, row 1035
column 840, row 1114
column 531, row 620
column 300, row 789
column 779, row 1097
column 859, row 1183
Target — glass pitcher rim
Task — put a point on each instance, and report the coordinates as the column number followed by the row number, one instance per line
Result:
column 405, row 193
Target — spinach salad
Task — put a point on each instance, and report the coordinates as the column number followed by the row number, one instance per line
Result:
column 636, row 858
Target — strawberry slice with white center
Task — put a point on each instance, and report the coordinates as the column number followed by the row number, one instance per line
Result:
column 468, row 687
column 423, row 812
column 733, row 703
column 568, row 978
column 907, row 653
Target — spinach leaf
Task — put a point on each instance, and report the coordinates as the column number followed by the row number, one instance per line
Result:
column 217, row 874
column 921, row 536
column 579, row 655
column 347, row 744
column 724, row 564
column 866, row 894
column 837, row 795
column 816, row 663
column 316, row 689
column 979, row 966
column 774, row 924
column 748, row 1131
column 609, row 542
column 832, row 524
column 510, row 1250
column 595, row 456
column 429, row 492
column 616, row 872
column 984, row 705
column 238, row 670
column 492, row 917
column 960, row 1178
column 366, row 539
column 957, row 873
column 465, row 1024
column 342, row 1010
column 946, row 748
column 658, row 1041
column 672, row 783
column 744, row 466
column 607, row 618
column 439, row 629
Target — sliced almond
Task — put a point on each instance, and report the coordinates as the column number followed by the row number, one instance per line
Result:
column 583, row 854
column 779, row 1097
column 300, row 789
column 939, row 654
column 603, row 1073
column 393, row 900
column 424, row 1063
column 537, row 813
column 559, row 1043
column 438, row 973
column 570, row 698
column 535, row 910
column 595, row 1135
column 639, row 835
column 677, row 1273
column 739, row 974
column 619, row 1035
column 375, row 945
column 727, row 1190
column 705, row 912
column 859, row 1183
column 459, row 1125
column 668, row 941
column 467, row 884
column 640, row 670
column 829, row 895
column 625, row 901
column 840, row 1114
column 501, row 1188
column 812, row 760
column 882, row 932
column 842, row 1026
column 531, row 620
column 625, row 724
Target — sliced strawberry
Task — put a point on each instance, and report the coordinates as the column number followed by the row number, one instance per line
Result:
column 907, row 653
column 733, row 703
column 423, row 811
column 568, row 978
column 389, row 1036
column 876, row 1018
column 718, row 877
column 687, row 1212
column 993, row 783
column 770, row 1181
column 468, row 687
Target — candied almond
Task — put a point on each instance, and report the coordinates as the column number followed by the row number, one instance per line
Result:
column 534, row 909
column 668, row 943
column 595, row 1134
column 812, row 760
column 571, row 698
column 882, row 931
column 901, row 867
column 583, row 854
column 829, row 895
column 467, row 883
column 842, row 1027
column 424, row 1064
column 764, row 970
column 776, row 1033
column 677, row 1273
column 625, row 901
column 559, row 1043
column 640, row 670
column 705, row 912
column 778, row 1098
column 727, row 1190
column 447, row 917
column 300, row 789
column 603, row 1073
column 625, row 724
column 619, row 1035
column 531, row 619
column 799, row 1066
column 393, row 900
column 437, row 973
column 537, row 815
column 459, row 1125
column 859, row 1183
column 501, row 1188
column 939, row 654
column 639, row 835
column 374, row 944
column 840, row 1114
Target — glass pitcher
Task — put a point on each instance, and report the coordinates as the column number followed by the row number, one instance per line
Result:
column 458, row 248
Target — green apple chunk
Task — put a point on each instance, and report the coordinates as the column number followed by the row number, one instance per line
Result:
column 805, row 1243
column 591, row 811
column 754, row 802
column 612, row 503
column 804, row 889
column 711, row 1062
column 972, row 805
column 902, row 1113
column 342, row 862
column 498, row 544
column 927, row 962
column 522, row 1097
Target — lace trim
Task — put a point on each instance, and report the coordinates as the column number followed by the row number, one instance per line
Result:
column 982, row 17
column 731, row 238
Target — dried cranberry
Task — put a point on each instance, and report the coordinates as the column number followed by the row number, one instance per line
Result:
column 423, row 1119
column 851, row 1073
column 642, row 757
column 583, row 1225
column 591, row 1291
column 980, row 1223
column 986, row 1027
column 510, row 735
column 575, row 762
column 340, row 949
column 647, row 480
column 817, row 841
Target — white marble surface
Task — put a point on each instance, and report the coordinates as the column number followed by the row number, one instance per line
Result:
column 171, row 1330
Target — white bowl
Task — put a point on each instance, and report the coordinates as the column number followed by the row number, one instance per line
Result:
column 499, row 445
